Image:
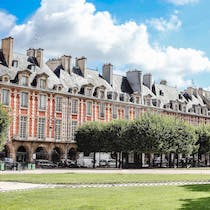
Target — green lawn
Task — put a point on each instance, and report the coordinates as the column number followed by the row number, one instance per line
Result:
column 195, row 197
column 71, row 178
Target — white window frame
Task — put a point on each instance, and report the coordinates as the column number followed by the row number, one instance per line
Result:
column 74, row 106
column 42, row 83
column 114, row 111
column 24, row 82
column 42, row 101
column 102, row 109
column 24, row 100
column 58, row 103
column 23, row 127
column 89, row 105
column 5, row 99
column 73, row 129
column 127, row 112
column 58, row 126
column 41, row 128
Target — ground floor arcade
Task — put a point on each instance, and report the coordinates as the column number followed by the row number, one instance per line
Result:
column 26, row 151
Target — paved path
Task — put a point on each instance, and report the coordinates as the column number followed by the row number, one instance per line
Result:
column 16, row 186
column 112, row 171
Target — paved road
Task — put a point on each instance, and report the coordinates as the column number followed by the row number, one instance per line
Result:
column 112, row 171
column 16, row 186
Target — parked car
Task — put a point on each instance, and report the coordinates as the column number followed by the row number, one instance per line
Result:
column 45, row 164
column 103, row 163
column 111, row 163
column 85, row 162
column 67, row 163
column 9, row 164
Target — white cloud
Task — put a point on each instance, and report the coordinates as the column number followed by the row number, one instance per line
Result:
column 163, row 25
column 75, row 27
column 182, row 2
column 7, row 21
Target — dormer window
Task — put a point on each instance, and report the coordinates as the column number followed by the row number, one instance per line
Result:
column 161, row 93
column 88, row 91
column 42, row 83
column 33, row 68
column 24, row 81
column 15, row 63
column 121, row 97
column 5, row 79
column 101, row 94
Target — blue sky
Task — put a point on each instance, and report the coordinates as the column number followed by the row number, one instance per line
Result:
column 164, row 37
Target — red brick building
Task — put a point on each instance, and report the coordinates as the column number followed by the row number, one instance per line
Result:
column 47, row 102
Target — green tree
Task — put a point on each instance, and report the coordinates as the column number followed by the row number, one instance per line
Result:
column 112, row 133
column 4, row 124
column 203, row 134
column 89, row 139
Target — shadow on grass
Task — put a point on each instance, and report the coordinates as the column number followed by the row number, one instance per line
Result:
column 199, row 203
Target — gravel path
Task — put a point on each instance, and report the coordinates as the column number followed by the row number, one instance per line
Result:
column 112, row 171
column 16, row 186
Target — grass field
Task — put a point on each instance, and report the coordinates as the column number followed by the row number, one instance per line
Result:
column 194, row 197
column 71, row 178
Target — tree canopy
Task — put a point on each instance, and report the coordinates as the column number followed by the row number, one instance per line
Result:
column 4, row 123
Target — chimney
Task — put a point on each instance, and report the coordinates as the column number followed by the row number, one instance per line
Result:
column 30, row 52
column 135, row 80
column 147, row 80
column 163, row 82
column 66, row 63
column 7, row 48
column 39, row 57
column 81, row 64
column 108, row 73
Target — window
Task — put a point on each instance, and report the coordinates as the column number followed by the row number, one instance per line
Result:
column 114, row 111
column 137, row 100
column 74, row 106
column 89, row 108
column 42, row 102
column 24, row 99
column 101, row 94
column 136, row 112
column 15, row 63
column 73, row 129
column 41, row 128
column 101, row 110
column 58, row 129
column 58, row 104
column 5, row 97
column 42, row 83
column 24, row 81
column 126, row 112
column 33, row 68
column 88, row 92
column 23, row 127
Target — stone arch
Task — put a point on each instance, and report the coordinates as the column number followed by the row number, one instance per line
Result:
column 72, row 153
column 41, row 153
column 21, row 154
column 56, row 154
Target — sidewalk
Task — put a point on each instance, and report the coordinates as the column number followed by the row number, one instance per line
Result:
column 112, row 171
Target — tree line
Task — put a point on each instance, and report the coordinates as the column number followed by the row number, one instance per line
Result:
column 151, row 134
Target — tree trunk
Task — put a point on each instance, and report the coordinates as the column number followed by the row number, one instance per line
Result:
column 177, row 162
column 149, row 160
column 116, row 160
column 161, row 160
column 94, row 160
column 140, row 160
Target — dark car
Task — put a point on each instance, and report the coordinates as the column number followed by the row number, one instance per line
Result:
column 45, row 164
column 9, row 164
column 67, row 163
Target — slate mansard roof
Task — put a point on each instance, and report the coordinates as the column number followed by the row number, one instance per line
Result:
column 79, row 76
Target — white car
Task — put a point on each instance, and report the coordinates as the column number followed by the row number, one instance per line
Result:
column 111, row 163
